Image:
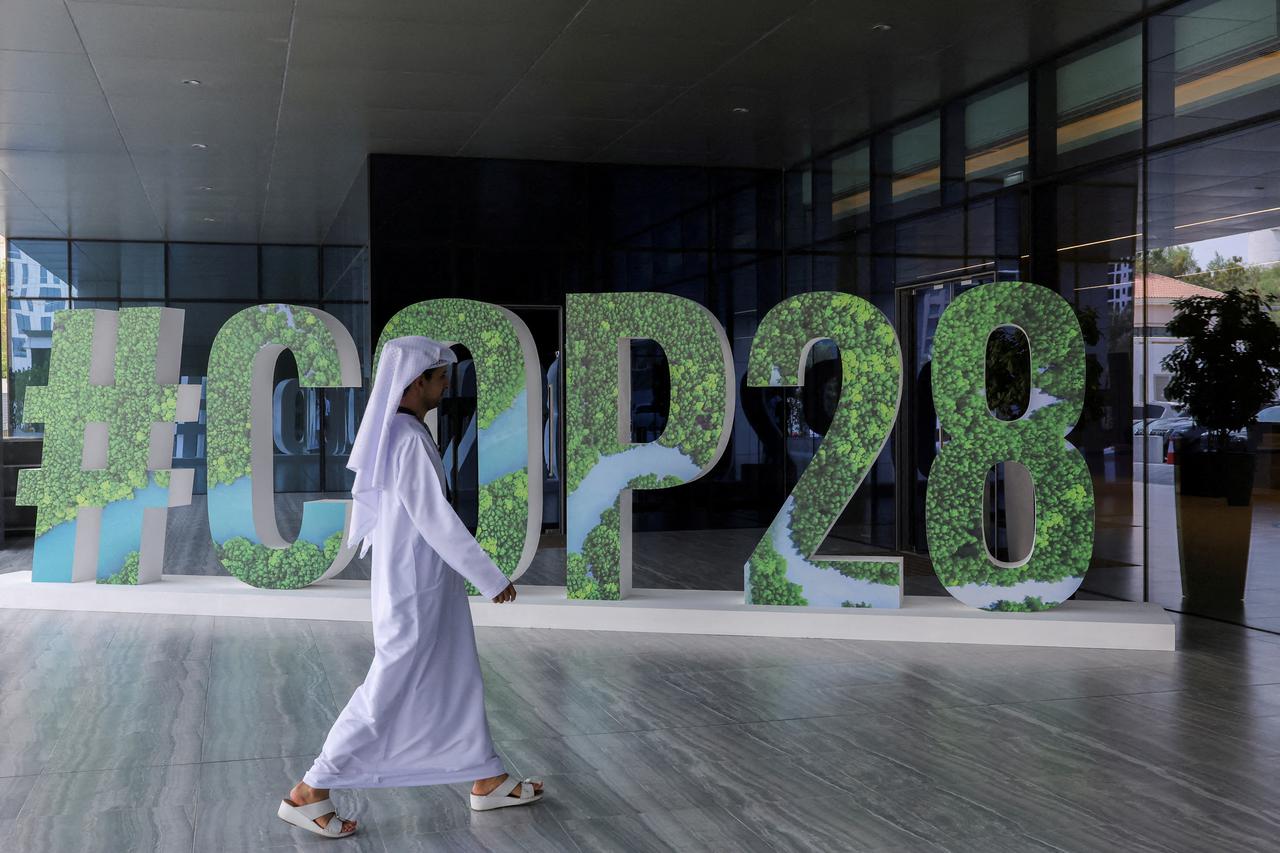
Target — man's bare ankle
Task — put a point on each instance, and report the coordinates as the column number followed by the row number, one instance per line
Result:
column 303, row 793
column 484, row 786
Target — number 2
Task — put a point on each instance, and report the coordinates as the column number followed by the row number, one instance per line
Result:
column 785, row 568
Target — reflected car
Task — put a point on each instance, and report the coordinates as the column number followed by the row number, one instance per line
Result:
column 1160, row 418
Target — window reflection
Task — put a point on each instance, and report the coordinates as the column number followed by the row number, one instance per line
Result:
column 995, row 137
column 1222, row 237
column 851, row 186
column 916, row 173
column 108, row 270
column 1099, row 100
column 1212, row 62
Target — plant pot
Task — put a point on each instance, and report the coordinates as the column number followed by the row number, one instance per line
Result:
column 1215, row 520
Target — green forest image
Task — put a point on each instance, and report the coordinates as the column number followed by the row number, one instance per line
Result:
column 782, row 570
column 599, row 464
column 1064, row 513
column 490, row 335
column 228, row 406
column 59, row 488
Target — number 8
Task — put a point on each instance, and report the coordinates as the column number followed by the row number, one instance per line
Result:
column 1063, row 542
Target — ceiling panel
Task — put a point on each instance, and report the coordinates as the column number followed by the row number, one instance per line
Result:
column 96, row 123
column 528, row 13
column 258, row 35
column 142, row 77
column 596, row 99
column 55, row 110
column 495, row 49
column 352, row 89
column 70, row 141
column 508, row 128
column 631, row 57
column 38, row 25
column 53, row 73
column 717, row 20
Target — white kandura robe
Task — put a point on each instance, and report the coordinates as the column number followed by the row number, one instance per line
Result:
column 418, row 718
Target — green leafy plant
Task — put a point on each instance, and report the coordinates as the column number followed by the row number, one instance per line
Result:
column 1227, row 367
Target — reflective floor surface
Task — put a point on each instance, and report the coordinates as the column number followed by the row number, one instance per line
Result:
column 121, row 732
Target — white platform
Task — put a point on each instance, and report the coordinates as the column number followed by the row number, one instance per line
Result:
column 924, row 619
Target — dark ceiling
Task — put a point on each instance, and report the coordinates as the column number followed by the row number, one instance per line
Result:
column 97, row 126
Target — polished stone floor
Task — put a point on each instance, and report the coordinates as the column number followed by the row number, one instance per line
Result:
column 122, row 732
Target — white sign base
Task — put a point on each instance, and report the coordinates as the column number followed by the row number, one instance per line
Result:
column 922, row 619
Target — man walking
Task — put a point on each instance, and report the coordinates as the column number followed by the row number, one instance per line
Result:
column 418, row 718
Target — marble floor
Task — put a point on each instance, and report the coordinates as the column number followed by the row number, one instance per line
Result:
column 121, row 732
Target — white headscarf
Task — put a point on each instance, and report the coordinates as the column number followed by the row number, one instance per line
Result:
column 402, row 361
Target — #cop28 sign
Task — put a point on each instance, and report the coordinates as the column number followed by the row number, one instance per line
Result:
column 109, row 410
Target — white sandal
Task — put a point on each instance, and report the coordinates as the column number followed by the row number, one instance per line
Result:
column 500, row 797
column 304, row 817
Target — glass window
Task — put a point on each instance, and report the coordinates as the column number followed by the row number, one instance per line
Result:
column 38, row 269
column 1099, row 100
column 916, row 174
column 107, row 270
column 208, row 271
column 995, row 137
column 1213, row 62
column 799, row 207
column 933, row 246
column 346, row 272
column 1098, row 220
column 290, row 273
column 341, row 408
column 30, row 340
column 354, row 316
column 851, row 188
column 1213, row 228
column 202, row 321
column 295, row 432
column 37, row 288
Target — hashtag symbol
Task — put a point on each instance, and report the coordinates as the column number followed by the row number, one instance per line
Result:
column 104, row 486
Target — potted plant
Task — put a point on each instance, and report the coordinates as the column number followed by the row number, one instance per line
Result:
column 1225, row 370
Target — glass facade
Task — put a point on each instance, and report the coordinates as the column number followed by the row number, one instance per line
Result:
column 210, row 282
column 1125, row 175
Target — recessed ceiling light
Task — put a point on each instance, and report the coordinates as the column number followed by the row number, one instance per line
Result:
column 881, row 28
column 191, row 82
column 210, row 219
column 200, row 146
column 741, row 110
column 206, row 188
